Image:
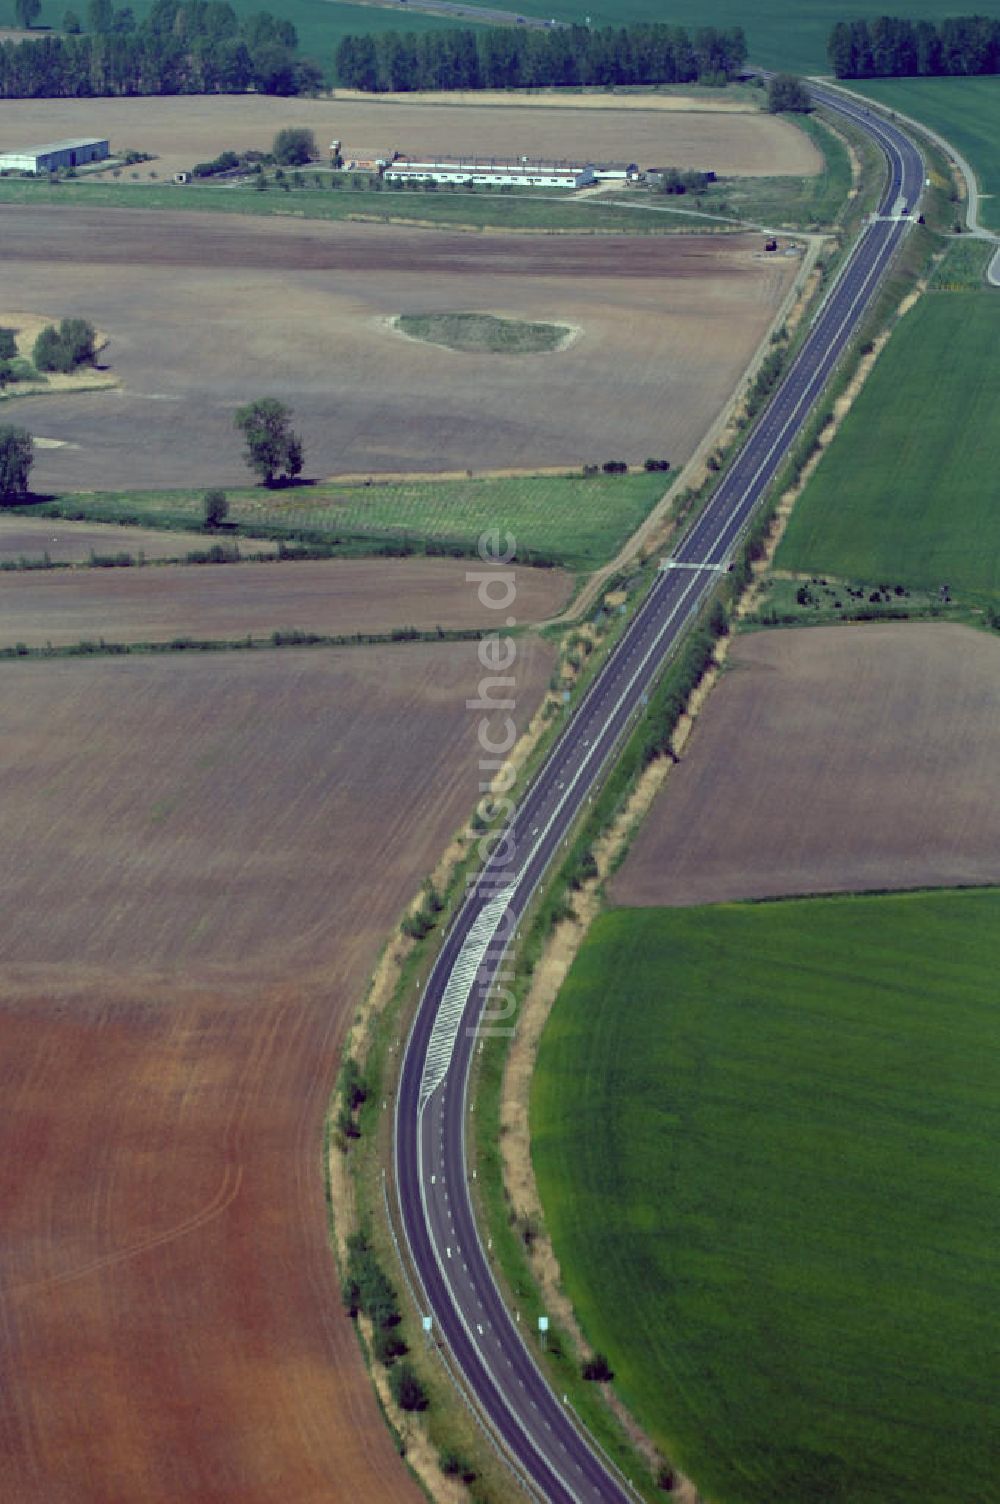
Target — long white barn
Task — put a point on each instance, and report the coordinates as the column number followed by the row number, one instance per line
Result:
column 520, row 173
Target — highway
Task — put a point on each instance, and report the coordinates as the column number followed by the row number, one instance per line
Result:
column 553, row 1460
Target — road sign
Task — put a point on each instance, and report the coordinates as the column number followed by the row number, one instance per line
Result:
column 427, row 1322
column 543, row 1323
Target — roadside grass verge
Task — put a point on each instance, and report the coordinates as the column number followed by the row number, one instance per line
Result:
column 905, row 492
column 963, row 266
column 761, row 1135
column 965, row 111
column 821, row 600
column 572, row 520
column 803, row 203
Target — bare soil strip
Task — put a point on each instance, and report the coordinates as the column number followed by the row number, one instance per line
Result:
column 329, row 597
column 832, row 759
column 203, row 858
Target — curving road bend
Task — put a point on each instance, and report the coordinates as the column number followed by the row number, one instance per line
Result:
column 553, row 1460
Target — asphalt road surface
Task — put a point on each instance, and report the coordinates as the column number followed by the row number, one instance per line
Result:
column 545, row 1448
column 458, row 11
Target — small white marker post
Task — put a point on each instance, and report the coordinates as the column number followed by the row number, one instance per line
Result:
column 543, row 1327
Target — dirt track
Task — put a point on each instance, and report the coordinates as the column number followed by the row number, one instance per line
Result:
column 333, row 598
column 74, row 542
column 202, row 860
column 832, row 759
column 667, row 327
column 182, row 131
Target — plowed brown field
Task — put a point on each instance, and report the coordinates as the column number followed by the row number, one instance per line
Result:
column 831, row 760
column 193, row 129
column 201, row 860
column 331, row 597
column 74, row 542
column 667, row 325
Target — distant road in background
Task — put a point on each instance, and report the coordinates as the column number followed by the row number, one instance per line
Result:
column 469, row 13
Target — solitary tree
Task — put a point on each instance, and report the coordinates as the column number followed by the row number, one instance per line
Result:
column 16, row 454
column 27, row 12
column 216, row 509
column 294, row 147
column 273, row 451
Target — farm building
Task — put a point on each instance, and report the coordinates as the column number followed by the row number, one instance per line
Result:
column 55, row 154
column 521, row 172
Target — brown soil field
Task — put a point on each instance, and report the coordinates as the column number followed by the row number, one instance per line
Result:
column 667, row 327
column 331, row 597
column 202, row 859
column 74, row 542
column 830, row 760
column 182, row 131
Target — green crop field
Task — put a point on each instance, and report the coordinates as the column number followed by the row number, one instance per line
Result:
column 907, row 490
column 966, row 111
column 780, row 34
column 765, row 1141
column 571, row 520
column 320, row 24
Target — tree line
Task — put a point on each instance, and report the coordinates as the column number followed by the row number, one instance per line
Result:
column 182, row 47
column 505, row 57
column 895, row 47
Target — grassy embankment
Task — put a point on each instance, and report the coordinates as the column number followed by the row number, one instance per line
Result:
column 579, row 522
column 761, row 1137
column 965, row 111
column 905, row 493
